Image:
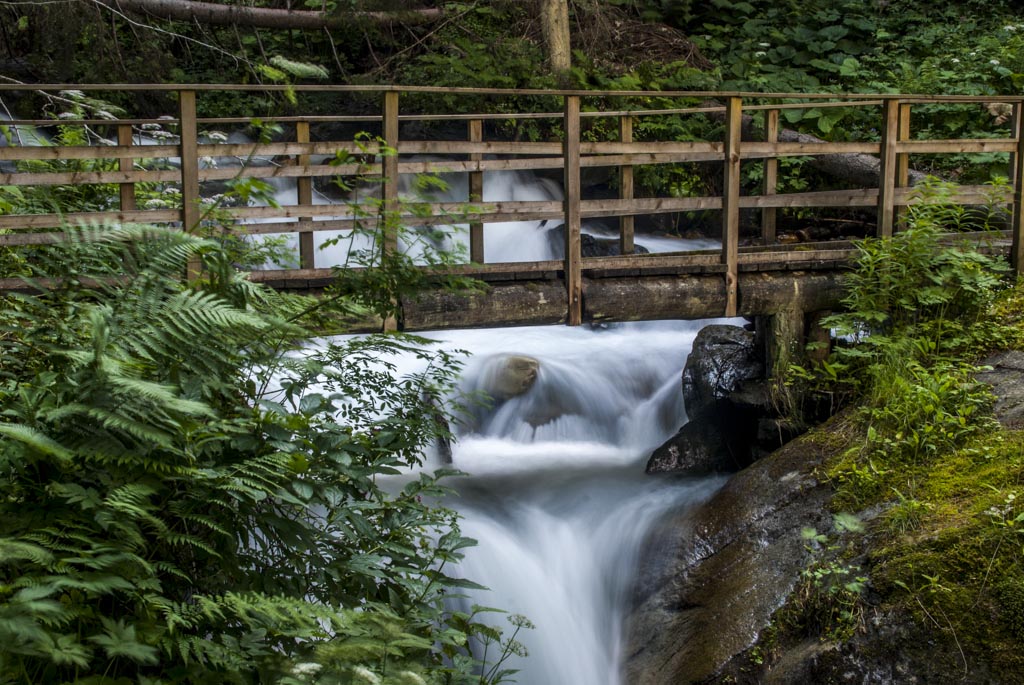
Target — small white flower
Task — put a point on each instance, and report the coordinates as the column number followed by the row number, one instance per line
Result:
column 760, row 53
column 1011, row 497
column 412, row 678
column 764, row 45
column 306, row 669
column 955, row 61
column 1010, row 27
column 366, row 675
column 218, row 136
column 150, row 127
column 155, row 203
column 706, row 36
column 994, row 62
column 971, row 54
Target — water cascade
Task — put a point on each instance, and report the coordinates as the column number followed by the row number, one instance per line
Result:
column 556, row 493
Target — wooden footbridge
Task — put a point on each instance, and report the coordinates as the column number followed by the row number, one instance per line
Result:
column 608, row 130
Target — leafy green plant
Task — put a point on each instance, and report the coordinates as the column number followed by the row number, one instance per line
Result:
column 186, row 500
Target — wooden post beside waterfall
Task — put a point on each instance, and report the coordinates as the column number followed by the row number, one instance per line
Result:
column 731, row 204
column 887, row 170
column 476, row 193
column 189, row 171
column 1017, row 170
column 626, row 188
column 771, row 177
column 573, row 244
column 389, row 193
column 126, row 191
column 304, row 188
column 902, row 161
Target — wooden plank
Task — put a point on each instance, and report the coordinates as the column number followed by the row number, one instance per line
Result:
column 476, row 193
column 125, row 176
column 23, row 222
column 126, row 191
column 731, row 204
column 920, row 147
column 190, row 198
column 1017, row 221
column 902, row 160
column 756, row 149
column 464, row 147
column 626, row 189
column 55, row 152
column 771, row 177
column 573, row 195
column 887, row 171
column 247, row 150
column 304, row 195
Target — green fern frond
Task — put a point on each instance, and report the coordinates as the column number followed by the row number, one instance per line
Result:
column 35, row 439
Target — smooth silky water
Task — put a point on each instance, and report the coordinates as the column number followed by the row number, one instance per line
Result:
column 555, row 491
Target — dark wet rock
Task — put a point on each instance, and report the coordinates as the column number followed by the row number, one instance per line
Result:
column 712, row 578
column 590, row 246
column 1007, row 380
column 725, row 398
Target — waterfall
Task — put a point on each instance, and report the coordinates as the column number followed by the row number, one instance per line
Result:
column 555, row 491
column 556, row 495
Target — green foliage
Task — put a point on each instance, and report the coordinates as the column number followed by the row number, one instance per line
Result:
column 187, row 500
column 829, row 599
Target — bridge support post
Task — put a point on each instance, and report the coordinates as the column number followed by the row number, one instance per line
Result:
column 626, row 188
column 887, row 170
column 476, row 193
column 771, row 177
column 573, row 243
column 189, row 171
column 1017, row 171
column 783, row 339
column 731, row 203
column 126, row 190
column 304, row 188
column 389, row 193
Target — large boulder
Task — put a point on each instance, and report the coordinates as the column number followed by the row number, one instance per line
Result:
column 711, row 579
column 725, row 398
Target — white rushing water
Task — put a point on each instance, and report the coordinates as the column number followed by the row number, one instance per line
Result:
column 557, row 497
column 556, row 494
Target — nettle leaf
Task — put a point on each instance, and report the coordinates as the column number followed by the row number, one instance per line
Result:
column 119, row 640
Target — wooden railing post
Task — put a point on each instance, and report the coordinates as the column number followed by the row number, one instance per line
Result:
column 389, row 160
column 476, row 193
column 126, row 190
column 902, row 161
column 626, row 188
column 1017, row 171
column 731, row 204
column 189, row 150
column 887, row 168
column 389, row 193
column 304, row 196
column 573, row 245
column 771, row 177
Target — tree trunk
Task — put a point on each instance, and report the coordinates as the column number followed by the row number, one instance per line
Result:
column 215, row 14
column 554, row 21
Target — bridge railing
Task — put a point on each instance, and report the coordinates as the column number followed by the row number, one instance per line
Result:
column 396, row 149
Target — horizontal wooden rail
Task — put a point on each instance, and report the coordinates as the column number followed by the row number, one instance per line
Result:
column 172, row 174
